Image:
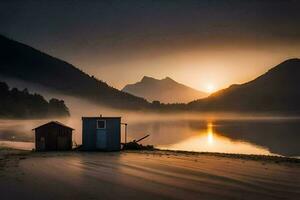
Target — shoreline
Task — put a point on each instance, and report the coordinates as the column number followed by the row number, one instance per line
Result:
column 254, row 157
column 257, row 157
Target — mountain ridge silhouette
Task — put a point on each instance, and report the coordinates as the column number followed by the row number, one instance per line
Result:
column 165, row 90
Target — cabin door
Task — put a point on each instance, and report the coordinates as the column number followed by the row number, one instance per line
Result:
column 101, row 139
column 42, row 144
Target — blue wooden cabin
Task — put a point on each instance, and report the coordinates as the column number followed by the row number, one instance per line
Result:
column 101, row 133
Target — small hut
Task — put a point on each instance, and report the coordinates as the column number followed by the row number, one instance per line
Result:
column 53, row 136
column 101, row 133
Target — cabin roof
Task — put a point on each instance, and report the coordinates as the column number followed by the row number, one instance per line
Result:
column 54, row 122
column 101, row 118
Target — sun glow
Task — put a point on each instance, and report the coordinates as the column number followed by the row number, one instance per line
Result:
column 210, row 88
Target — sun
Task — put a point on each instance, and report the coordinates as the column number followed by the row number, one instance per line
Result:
column 210, row 88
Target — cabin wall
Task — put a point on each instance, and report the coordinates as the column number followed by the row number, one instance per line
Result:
column 113, row 127
column 55, row 138
column 112, row 134
column 89, row 134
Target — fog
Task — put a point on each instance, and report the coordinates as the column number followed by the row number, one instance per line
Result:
column 217, row 132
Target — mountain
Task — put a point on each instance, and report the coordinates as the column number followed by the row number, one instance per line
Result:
column 25, row 63
column 165, row 90
column 277, row 90
column 21, row 104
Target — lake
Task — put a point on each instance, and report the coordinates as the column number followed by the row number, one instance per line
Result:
column 267, row 136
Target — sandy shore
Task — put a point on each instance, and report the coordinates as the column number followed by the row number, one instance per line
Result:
column 146, row 175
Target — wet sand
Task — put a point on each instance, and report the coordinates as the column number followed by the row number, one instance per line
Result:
column 146, row 175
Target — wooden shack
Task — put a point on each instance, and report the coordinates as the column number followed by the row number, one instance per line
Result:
column 53, row 136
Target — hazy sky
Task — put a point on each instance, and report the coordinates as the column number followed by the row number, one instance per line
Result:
column 199, row 43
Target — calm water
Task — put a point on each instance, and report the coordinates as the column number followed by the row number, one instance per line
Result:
column 269, row 137
column 230, row 133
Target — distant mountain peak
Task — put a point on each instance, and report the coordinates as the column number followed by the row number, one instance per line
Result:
column 168, row 79
column 165, row 90
column 148, row 78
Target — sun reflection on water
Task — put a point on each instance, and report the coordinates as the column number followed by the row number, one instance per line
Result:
column 209, row 140
column 210, row 134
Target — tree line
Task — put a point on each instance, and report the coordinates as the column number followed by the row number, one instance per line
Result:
column 15, row 103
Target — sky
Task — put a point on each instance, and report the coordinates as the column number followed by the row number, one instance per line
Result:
column 205, row 44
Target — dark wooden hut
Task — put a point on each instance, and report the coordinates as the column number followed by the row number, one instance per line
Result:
column 53, row 136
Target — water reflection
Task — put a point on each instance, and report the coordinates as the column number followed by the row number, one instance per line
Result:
column 268, row 137
column 210, row 134
column 277, row 136
column 17, row 144
column 208, row 140
column 280, row 137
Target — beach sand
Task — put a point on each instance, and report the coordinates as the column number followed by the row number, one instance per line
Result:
column 145, row 175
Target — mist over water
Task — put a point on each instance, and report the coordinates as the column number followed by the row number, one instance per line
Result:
column 185, row 131
column 203, row 132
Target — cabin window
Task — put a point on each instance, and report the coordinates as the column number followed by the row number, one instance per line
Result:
column 101, row 124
